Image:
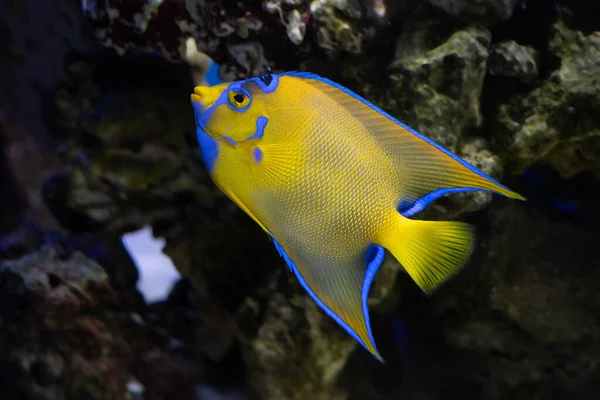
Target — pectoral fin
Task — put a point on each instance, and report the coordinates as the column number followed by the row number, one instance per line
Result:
column 340, row 288
column 241, row 205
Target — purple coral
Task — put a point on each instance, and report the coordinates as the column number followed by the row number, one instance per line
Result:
column 160, row 26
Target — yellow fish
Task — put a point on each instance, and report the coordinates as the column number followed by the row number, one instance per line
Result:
column 332, row 179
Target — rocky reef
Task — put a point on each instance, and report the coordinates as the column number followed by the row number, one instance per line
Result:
column 511, row 86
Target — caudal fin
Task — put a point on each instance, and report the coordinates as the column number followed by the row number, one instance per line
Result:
column 431, row 251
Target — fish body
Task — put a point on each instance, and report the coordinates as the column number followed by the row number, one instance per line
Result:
column 332, row 179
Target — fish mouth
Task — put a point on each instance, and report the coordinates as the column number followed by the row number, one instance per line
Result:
column 202, row 111
column 200, row 107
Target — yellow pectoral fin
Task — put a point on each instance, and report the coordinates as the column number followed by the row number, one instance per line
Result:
column 241, row 205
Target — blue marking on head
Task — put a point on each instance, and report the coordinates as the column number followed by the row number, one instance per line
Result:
column 261, row 123
column 309, row 75
column 409, row 208
column 258, row 155
column 267, row 83
column 202, row 115
column 208, row 148
column 212, row 75
column 371, row 270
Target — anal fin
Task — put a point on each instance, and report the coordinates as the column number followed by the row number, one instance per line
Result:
column 340, row 288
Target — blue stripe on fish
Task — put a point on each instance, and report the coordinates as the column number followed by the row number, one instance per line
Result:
column 375, row 256
column 261, row 123
column 409, row 208
column 271, row 86
column 208, row 149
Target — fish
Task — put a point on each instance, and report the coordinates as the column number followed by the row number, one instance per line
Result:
column 333, row 181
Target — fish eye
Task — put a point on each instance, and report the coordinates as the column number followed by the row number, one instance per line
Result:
column 238, row 98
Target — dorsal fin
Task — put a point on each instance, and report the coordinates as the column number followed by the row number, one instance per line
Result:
column 425, row 170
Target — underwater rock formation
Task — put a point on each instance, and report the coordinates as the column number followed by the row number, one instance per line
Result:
column 128, row 143
column 70, row 330
column 557, row 122
column 290, row 337
column 438, row 86
column 519, row 322
column 511, row 60
column 528, row 327
column 246, row 37
column 437, row 77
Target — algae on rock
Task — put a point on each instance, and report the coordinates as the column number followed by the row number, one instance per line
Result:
column 511, row 60
column 437, row 80
column 558, row 122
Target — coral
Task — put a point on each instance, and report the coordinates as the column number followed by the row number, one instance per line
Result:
column 246, row 37
column 557, row 123
column 441, row 83
column 68, row 332
column 154, row 26
column 335, row 32
column 58, row 283
column 512, row 60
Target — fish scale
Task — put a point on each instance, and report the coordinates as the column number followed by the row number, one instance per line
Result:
column 334, row 172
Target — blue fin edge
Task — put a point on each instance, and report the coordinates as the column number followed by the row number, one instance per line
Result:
column 410, row 208
column 370, row 274
column 310, row 75
column 374, row 262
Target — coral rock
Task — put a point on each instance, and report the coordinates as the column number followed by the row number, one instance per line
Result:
column 558, row 121
column 512, row 60
column 438, row 78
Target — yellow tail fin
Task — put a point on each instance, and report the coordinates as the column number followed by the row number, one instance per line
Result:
column 431, row 251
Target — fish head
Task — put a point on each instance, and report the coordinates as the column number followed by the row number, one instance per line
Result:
column 235, row 112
